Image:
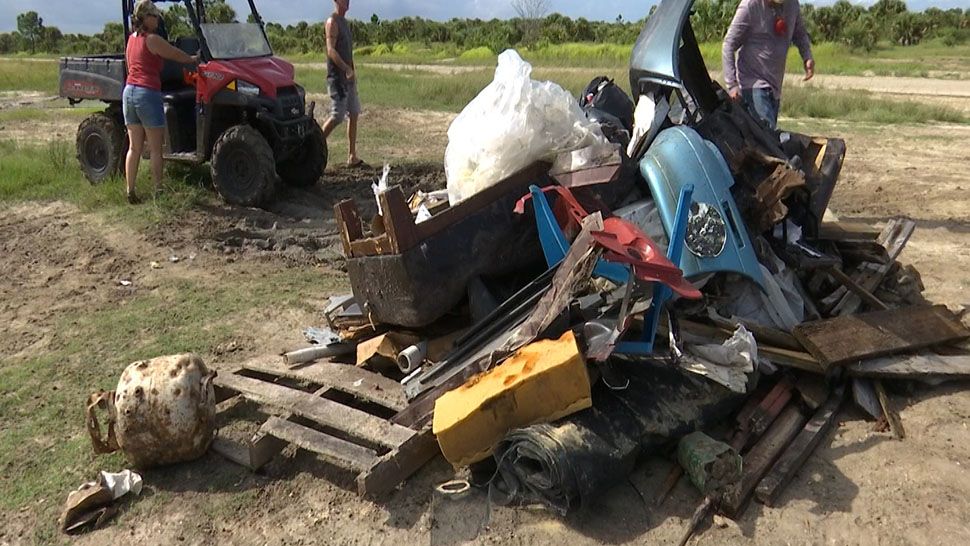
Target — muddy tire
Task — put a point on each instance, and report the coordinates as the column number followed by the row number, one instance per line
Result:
column 305, row 167
column 243, row 170
column 101, row 145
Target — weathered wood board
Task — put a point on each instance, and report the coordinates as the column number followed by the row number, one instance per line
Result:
column 851, row 338
column 799, row 450
column 917, row 366
column 348, row 435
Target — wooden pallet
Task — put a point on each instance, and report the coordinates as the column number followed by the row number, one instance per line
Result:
column 350, row 435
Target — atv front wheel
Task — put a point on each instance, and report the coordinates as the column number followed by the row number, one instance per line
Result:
column 243, row 170
column 100, row 147
column 305, row 167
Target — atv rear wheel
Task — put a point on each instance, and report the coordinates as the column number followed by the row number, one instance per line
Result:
column 305, row 167
column 101, row 147
column 243, row 170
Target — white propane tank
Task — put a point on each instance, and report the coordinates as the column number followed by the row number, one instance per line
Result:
column 162, row 412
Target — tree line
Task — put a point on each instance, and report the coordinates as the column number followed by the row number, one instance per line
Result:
column 857, row 27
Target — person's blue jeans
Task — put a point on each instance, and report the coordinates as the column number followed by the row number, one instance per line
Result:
column 142, row 106
column 762, row 103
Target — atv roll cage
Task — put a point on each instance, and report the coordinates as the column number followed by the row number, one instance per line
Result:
column 204, row 33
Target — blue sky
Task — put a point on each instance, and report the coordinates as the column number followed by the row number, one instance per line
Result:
column 66, row 15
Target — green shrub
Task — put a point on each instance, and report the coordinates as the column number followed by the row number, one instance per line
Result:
column 863, row 33
column 477, row 54
column 381, row 50
column 954, row 36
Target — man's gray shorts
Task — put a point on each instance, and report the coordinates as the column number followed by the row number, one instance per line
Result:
column 343, row 97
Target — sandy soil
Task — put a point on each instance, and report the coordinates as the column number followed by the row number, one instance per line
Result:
column 859, row 487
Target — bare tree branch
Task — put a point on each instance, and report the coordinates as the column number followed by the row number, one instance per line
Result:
column 531, row 13
column 531, row 9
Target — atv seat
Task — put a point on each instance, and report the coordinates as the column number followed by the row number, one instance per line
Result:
column 172, row 75
column 179, row 95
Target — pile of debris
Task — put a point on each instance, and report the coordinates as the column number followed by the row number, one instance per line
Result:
column 670, row 271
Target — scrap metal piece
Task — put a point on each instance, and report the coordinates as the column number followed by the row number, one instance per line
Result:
column 321, row 336
column 162, row 412
column 679, row 156
column 411, row 357
column 508, row 315
column 309, row 354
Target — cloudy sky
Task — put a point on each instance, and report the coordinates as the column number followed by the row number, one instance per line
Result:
column 65, row 14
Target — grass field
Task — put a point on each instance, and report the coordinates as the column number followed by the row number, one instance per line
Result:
column 425, row 90
column 929, row 58
column 50, row 172
column 26, row 74
column 91, row 350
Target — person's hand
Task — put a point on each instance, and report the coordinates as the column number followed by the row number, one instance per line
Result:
column 195, row 59
column 735, row 94
column 351, row 75
column 809, row 69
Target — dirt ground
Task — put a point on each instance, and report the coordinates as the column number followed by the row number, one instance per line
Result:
column 859, row 487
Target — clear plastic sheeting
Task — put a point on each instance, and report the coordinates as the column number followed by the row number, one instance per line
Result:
column 512, row 123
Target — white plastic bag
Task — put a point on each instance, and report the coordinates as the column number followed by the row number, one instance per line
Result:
column 512, row 123
column 380, row 187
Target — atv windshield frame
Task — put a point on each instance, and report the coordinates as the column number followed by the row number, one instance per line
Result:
column 228, row 41
column 198, row 19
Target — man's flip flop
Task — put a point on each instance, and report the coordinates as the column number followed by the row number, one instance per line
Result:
column 355, row 164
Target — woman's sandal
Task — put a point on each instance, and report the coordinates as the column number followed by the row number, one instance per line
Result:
column 133, row 198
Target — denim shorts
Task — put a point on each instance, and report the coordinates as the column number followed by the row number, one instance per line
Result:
column 143, row 107
column 343, row 98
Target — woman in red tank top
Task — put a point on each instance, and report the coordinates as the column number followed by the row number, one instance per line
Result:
column 142, row 99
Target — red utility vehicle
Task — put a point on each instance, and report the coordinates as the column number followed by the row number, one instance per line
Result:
column 241, row 110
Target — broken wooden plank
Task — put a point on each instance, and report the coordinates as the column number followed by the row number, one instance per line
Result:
column 398, row 220
column 752, row 421
column 813, row 389
column 859, row 290
column 837, row 231
column 846, row 339
column 864, row 395
column 859, row 250
column 762, row 334
column 393, row 468
column 791, row 359
column 361, row 383
column 892, row 416
column 894, row 238
column 342, row 453
column 783, row 357
column 232, row 450
column 798, row 452
column 916, row 366
column 263, row 447
column 351, row 229
column 371, row 246
column 352, row 422
column 758, row 461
